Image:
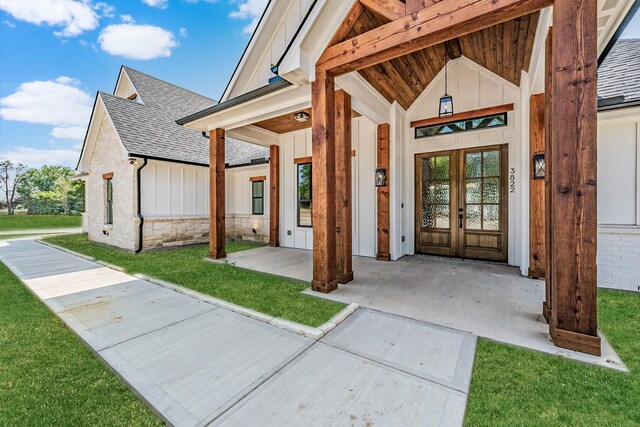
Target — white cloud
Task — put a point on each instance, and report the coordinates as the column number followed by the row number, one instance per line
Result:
column 35, row 157
column 249, row 9
column 74, row 15
column 160, row 4
column 127, row 19
column 56, row 102
column 137, row 41
column 9, row 24
column 73, row 132
column 184, row 32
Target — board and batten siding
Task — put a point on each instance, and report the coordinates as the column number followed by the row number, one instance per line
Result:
column 619, row 199
column 472, row 87
column 298, row 144
column 282, row 35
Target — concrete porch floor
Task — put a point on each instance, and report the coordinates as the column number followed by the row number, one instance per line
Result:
column 489, row 300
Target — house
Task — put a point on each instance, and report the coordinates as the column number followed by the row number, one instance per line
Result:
column 147, row 178
column 460, row 129
column 618, row 165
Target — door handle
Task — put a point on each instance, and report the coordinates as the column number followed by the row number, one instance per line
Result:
column 460, row 217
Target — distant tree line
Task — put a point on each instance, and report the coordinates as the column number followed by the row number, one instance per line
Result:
column 47, row 190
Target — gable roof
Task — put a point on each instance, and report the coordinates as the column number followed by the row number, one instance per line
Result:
column 619, row 74
column 149, row 128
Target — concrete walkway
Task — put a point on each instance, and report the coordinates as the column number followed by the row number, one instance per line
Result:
column 198, row 364
column 42, row 231
column 488, row 300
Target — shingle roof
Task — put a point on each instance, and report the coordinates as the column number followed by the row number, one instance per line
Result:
column 150, row 129
column 619, row 74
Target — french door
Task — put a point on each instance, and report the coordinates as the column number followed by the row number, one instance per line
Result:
column 461, row 203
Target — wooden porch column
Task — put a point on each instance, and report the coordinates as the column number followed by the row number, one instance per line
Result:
column 548, row 180
column 323, row 177
column 384, row 243
column 536, row 189
column 216, row 194
column 574, row 174
column 274, row 196
column 344, row 249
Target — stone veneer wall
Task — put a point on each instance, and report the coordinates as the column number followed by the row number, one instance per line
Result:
column 240, row 227
column 619, row 257
column 109, row 156
column 174, row 231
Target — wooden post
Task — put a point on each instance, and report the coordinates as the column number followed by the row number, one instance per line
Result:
column 323, row 177
column 536, row 189
column 274, row 196
column 574, row 228
column 548, row 160
column 216, row 194
column 344, row 249
column 384, row 242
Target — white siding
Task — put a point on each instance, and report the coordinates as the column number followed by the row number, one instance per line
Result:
column 298, row 144
column 174, row 190
column 239, row 196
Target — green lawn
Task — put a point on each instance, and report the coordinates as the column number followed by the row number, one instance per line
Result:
column 268, row 294
column 32, row 222
column 516, row 387
column 48, row 377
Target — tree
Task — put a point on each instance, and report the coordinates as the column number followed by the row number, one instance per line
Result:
column 48, row 190
column 10, row 177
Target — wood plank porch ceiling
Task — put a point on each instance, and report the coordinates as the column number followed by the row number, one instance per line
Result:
column 504, row 49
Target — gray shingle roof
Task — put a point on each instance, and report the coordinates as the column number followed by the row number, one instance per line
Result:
column 619, row 74
column 150, row 129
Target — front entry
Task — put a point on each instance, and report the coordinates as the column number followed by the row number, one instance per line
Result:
column 461, row 203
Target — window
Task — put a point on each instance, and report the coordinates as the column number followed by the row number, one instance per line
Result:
column 491, row 121
column 109, row 184
column 257, row 195
column 304, row 195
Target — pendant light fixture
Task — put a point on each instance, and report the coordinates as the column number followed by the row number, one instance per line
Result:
column 446, row 102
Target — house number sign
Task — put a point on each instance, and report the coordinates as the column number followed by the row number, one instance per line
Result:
column 512, row 180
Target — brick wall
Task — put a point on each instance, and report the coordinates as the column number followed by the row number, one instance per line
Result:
column 619, row 257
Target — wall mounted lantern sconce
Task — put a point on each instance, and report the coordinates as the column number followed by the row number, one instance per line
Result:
column 539, row 168
column 381, row 177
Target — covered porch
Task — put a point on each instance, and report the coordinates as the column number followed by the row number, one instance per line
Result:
column 487, row 299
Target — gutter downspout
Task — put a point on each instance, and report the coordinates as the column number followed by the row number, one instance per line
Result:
column 140, row 216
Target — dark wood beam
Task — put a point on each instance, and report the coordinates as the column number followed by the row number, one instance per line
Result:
column 384, row 220
column 390, row 10
column 348, row 23
column 548, row 179
column 274, row 196
column 216, row 194
column 344, row 250
column 536, row 189
column 323, row 183
column 574, row 315
column 432, row 25
column 472, row 114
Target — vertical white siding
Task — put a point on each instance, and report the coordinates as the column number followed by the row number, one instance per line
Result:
column 298, row 144
column 239, row 195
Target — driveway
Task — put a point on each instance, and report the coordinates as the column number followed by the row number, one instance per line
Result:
column 195, row 363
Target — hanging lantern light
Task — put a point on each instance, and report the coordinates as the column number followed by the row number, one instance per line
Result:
column 446, row 102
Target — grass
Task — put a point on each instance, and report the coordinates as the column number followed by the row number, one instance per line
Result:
column 517, row 387
column 268, row 294
column 48, row 377
column 38, row 222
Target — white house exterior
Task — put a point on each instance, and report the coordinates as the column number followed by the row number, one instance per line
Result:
column 619, row 168
column 158, row 171
column 293, row 34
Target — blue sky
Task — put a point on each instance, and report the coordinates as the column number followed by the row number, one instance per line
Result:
column 55, row 54
column 54, row 58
